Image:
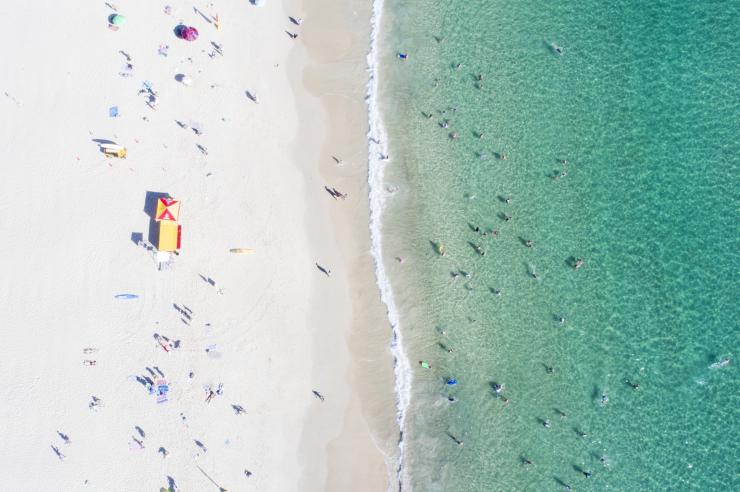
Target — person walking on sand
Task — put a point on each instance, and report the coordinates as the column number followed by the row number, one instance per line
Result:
column 318, row 395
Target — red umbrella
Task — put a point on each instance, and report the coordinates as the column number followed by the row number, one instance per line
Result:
column 189, row 34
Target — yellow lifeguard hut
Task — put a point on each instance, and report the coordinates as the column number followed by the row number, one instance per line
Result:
column 170, row 232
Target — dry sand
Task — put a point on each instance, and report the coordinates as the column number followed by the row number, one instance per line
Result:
column 69, row 219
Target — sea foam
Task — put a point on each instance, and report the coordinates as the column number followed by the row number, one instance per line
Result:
column 377, row 160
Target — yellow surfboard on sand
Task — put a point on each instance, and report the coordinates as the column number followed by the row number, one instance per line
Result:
column 242, row 251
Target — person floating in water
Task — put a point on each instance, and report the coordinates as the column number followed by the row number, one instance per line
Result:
column 578, row 263
column 529, row 243
column 546, row 423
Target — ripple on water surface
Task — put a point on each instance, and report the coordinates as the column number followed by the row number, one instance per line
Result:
column 644, row 106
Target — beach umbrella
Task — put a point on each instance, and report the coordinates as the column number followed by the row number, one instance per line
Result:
column 167, row 209
column 117, row 19
column 189, row 34
column 183, row 79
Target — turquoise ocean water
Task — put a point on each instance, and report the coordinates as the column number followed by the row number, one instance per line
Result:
column 644, row 105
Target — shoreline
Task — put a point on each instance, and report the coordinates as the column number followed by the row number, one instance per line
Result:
column 321, row 67
column 377, row 140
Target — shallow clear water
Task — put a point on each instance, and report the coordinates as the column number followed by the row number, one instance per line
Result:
column 644, row 105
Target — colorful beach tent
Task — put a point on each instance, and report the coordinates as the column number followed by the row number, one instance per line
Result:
column 167, row 209
column 188, row 33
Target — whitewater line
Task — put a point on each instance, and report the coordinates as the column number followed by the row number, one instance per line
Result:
column 377, row 157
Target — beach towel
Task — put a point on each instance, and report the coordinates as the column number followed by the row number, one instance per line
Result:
column 162, row 390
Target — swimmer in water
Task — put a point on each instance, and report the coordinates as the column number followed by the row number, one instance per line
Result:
column 546, row 424
column 529, row 243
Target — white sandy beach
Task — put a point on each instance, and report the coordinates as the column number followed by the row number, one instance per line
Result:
column 276, row 327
